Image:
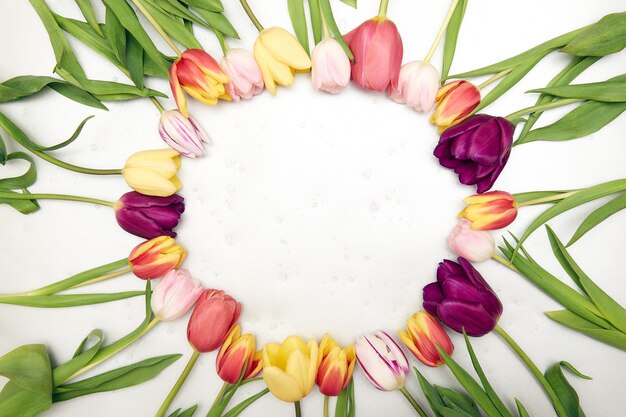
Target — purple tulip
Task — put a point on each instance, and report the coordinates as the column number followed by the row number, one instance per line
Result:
column 462, row 299
column 477, row 149
column 148, row 216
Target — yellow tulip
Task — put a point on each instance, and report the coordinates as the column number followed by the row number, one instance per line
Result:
column 279, row 54
column 290, row 369
column 153, row 172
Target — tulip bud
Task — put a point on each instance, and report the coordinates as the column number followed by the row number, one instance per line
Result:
column 490, row 211
column 455, row 101
column 147, row 216
column 473, row 245
column 212, row 319
column 423, row 335
column 418, row 84
column 236, row 352
column 382, row 361
column 200, row 76
column 377, row 49
column 477, row 149
column 462, row 299
column 182, row 133
column 279, row 55
column 245, row 76
column 156, row 257
column 175, row 295
column 289, row 369
column 330, row 67
column 153, row 172
column 335, row 366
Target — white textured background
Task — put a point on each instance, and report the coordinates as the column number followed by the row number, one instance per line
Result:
column 319, row 213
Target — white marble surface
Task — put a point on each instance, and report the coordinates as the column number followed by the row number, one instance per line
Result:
column 319, row 213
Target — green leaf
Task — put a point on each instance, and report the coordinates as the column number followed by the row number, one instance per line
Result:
column 116, row 35
column 316, row 20
column 218, row 22
column 520, row 409
column 126, row 376
column 581, row 197
column 85, row 33
column 134, row 60
column 187, row 413
column 431, row 394
column 341, row 406
column 22, row 181
column 175, row 8
column 569, row 74
column 3, row 151
column 28, row 85
column 173, row 28
column 604, row 37
column 459, row 402
column 598, row 216
column 521, row 198
column 71, row 139
column 210, row 5
column 239, row 408
column 80, row 358
column 563, row 390
column 605, row 91
column 29, row 390
column 452, row 35
column 66, row 300
column 298, row 20
column 23, row 206
column 350, row 2
column 327, row 11
column 90, row 16
column 568, row 318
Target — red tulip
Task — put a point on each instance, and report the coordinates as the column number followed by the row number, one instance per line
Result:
column 212, row 319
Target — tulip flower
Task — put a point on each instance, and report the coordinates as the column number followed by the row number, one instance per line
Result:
column 156, row 257
column 383, row 362
column 199, row 75
column 477, row 149
column 153, row 172
column 473, row 245
column 279, row 55
column 175, row 295
column 422, row 336
column 335, row 366
column 147, row 216
column 245, row 79
column 330, row 66
column 490, row 211
column 182, row 133
column 212, row 319
column 237, row 352
column 455, row 101
column 462, row 299
column 417, row 87
column 290, row 369
column 377, row 49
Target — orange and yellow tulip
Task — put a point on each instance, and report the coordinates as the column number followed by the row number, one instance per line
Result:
column 455, row 102
column 335, row 366
column 422, row 335
column 490, row 211
column 237, row 352
column 156, row 257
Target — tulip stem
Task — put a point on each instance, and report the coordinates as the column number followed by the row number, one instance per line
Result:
column 65, row 197
column 494, row 78
column 218, row 406
column 544, row 106
column 71, row 167
column 325, row 28
column 442, row 30
column 558, row 407
column 222, row 42
column 104, row 277
column 548, row 199
column 156, row 25
column 179, row 383
column 157, row 104
column 413, row 402
column 382, row 10
column 250, row 13
column 298, row 410
column 504, row 262
column 325, row 405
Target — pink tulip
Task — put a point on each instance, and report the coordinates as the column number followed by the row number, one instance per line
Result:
column 175, row 295
column 377, row 49
column 418, row 85
column 473, row 245
column 330, row 66
column 384, row 364
column 212, row 319
column 182, row 133
column 245, row 76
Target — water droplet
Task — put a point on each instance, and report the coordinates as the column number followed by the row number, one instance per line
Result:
column 230, row 240
column 302, row 124
column 283, row 242
column 367, row 174
column 211, row 213
column 283, row 277
column 374, row 207
column 93, row 147
column 278, row 219
column 390, row 151
column 315, row 204
column 334, row 278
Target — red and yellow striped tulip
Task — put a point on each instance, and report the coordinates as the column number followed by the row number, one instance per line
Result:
column 156, row 257
column 455, row 102
column 422, row 335
column 335, row 366
column 490, row 211
column 238, row 351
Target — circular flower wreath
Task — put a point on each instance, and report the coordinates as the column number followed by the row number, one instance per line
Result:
column 475, row 146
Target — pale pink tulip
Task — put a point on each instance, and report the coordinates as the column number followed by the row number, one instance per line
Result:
column 245, row 76
column 175, row 295
column 330, row 67
column 418, row 84
column 182, row 133
column 473, row 245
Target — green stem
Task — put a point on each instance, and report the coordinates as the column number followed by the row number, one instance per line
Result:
column 217, row 408
column 157, row 104
column 413, row 402
column 544, row 106
column 298, row 410
column 64, row 197
column 75, row 168
column 548, row 199
column 325, row 405
column 179, row 383
column 494, row 78
column 325, row 28
column 222, row 41
column 76, row 280
column 156, row 25
column 504, row 262
column 442, row 30
column 558, row 407
column 382, row 9
column 105, row 277
column 250, row 13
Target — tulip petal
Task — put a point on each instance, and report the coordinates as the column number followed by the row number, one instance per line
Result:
column 285, row 48
column 177, row 91
column 263, row 59
column 282, row 385
column 471, row 317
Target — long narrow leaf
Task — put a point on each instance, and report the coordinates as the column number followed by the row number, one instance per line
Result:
column 327, row 11
column 611, row 337
column 452, row 35
column 298, row 20
column 563, row 390
column 598, row 216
